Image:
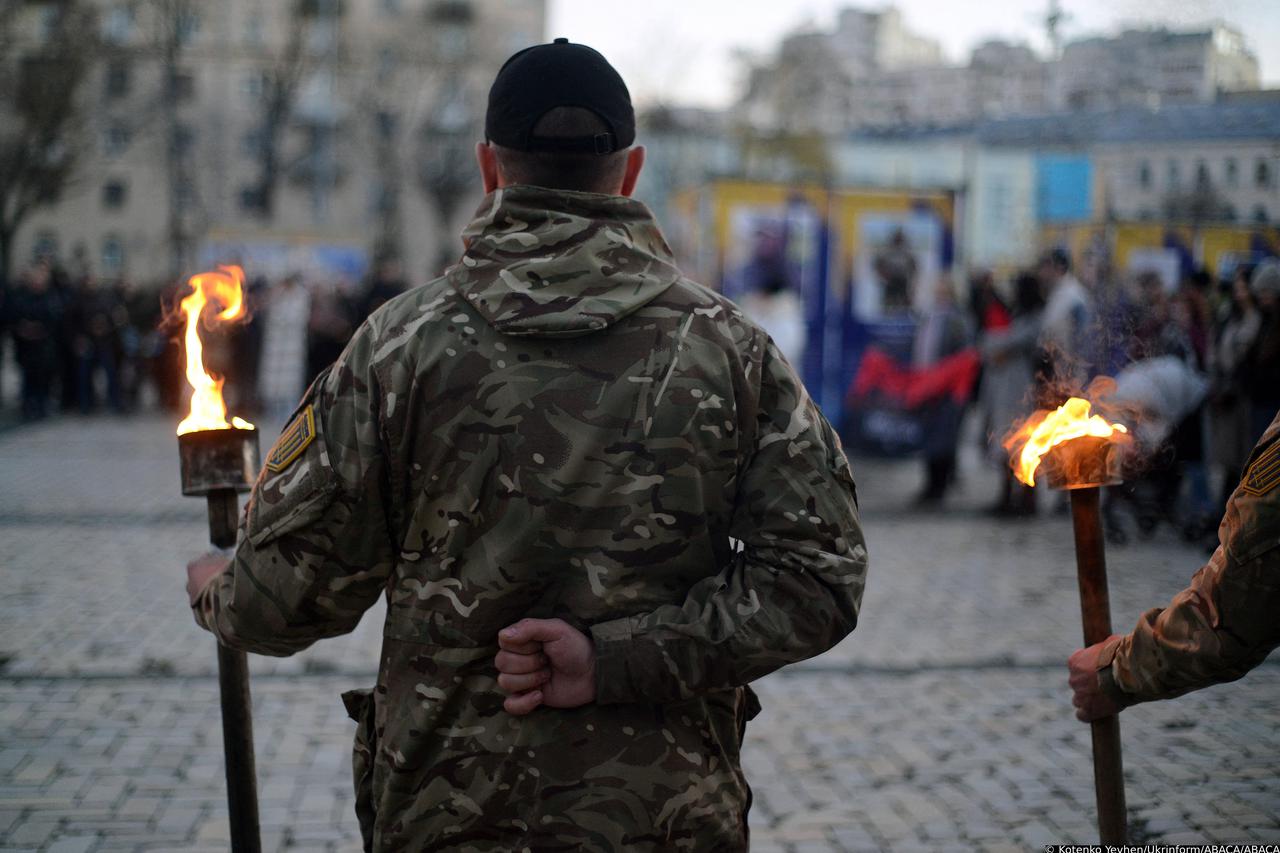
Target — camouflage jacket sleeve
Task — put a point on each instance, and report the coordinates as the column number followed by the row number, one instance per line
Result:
column 792, row 589
column 1223, row 624
column 314, row 548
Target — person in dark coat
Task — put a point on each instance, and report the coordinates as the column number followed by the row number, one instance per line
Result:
column 35, row 317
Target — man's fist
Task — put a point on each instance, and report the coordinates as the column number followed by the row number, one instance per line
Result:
column 202, row 569
column 545, row 662
column 1091, row 703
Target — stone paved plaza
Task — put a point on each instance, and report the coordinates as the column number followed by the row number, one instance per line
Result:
column 942, row 723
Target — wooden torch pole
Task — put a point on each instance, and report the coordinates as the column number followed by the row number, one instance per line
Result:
column 1095, row 610
column 237, row 706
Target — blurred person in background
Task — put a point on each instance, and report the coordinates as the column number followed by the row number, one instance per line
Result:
column 386, row 283
column 1114, row 314
column 245, row 339
column 329, row 326
column 6, row 306
column 1231, row 423
column 283, row 370
column 166, row 359
column 1010, row 357
column 138, row 320
column 942, row 331
column 988, row 310
column 1158, row 331
column 776, row 306
column 35, row 317
column 1261, row 367
column 65, row 287
column 96, row 316
column 1067, row 314
column 1192, row 309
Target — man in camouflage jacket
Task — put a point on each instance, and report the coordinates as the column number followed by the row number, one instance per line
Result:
column 598, row 503
column 1218, row 628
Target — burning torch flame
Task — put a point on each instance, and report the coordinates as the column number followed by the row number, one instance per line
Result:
column 224, row 287
column 1046, row 429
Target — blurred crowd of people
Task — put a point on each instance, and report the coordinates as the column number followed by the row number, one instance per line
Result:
column 1199, row 360
column 1198, row 363
column 83, row 345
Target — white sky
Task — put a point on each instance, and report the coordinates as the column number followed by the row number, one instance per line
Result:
column 682, row 51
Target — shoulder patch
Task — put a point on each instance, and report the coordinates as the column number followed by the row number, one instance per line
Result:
column 1264, row 474
column 295, row 438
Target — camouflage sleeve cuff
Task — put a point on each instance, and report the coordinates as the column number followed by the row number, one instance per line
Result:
column 1107, row 681
column 1107, row 684
column 206, row 605
column 613, row 679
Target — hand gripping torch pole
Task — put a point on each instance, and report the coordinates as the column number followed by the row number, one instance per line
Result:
column 218, row 464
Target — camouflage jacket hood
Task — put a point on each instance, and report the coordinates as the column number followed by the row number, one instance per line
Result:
column 554, row 263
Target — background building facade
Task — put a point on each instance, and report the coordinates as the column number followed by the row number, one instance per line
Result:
column 317, row 133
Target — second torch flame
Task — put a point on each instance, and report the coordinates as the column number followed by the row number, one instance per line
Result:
column 224, row 287
column 1047, row 429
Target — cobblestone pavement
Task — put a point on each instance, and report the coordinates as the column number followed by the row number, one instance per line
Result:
column 942, row 723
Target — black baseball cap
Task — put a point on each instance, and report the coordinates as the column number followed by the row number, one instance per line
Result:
column 540, row 78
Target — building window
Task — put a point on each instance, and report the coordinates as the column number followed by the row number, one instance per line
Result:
column 386, row 124
column 1229, row 213
column 117, row 79
column 382, row 199
column 386, row 64
column 253, row 84
column 1231, row 170
column 253, row 28
column 250, row 199
column 1262, row 174
column 45, row 247
column 1173, row 175
column 184, row 85
column 251, row 144
column 112, row 255
column 115, row 139
column 184, row 139
column 391, row 7
column 114, row 194
column 50, row 20
column 117, row 25
column 1144, row 175
column 1202, row 174
column 188, row 26
column 185, row 194
column 1260, row 215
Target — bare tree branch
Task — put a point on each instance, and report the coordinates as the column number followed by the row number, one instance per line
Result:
column 43, row 134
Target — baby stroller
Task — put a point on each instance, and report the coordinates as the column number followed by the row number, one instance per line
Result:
column 1166, row 398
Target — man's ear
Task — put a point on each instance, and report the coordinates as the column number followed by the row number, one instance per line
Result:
column 490, row 175
column 635, row 162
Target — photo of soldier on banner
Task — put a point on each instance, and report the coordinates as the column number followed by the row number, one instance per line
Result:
column 898, row 252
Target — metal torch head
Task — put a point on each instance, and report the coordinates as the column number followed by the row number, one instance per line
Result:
column 218, row 460
column 1084, row 463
